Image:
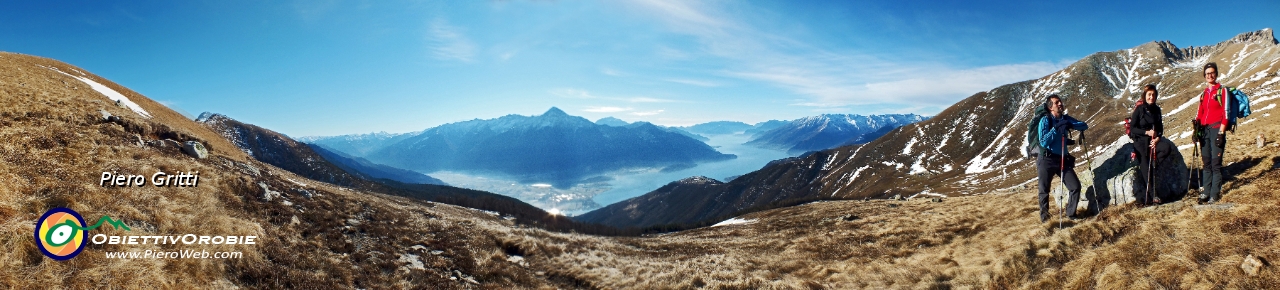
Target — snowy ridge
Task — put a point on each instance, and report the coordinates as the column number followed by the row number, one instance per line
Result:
column 108, row 92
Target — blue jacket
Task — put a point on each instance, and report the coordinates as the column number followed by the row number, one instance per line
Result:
column 1050, row 138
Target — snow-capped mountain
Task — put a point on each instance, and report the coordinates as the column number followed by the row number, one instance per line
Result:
column 829, row 131
column 553, row 148
column 976, row 145
column 358, row 145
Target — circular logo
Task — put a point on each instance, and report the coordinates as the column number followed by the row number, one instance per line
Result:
column 60, row 234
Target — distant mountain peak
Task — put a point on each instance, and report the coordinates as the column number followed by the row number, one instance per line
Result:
column 555, row 112
column 206, row 116
column 1264, row 35
column 611, row 121
column 699, row 180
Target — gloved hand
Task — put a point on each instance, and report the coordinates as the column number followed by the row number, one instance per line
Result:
column 1221, row 141
column 1197, row 131
column 1062, row 125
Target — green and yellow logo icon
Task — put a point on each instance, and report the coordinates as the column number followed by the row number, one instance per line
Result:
column 61, row 233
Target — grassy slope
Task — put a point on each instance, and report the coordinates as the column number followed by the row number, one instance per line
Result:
column 54, row 146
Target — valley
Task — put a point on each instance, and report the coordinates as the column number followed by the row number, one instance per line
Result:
column 618, row 185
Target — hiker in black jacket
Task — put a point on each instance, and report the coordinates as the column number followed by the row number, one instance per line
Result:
column 1147, row 128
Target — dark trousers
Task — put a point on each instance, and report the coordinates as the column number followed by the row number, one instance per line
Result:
column 1145, row 177
column 1211, row 155
column 1050, row 165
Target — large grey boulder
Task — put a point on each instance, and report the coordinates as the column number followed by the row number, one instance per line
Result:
column 195, row 149
column 1116, row 175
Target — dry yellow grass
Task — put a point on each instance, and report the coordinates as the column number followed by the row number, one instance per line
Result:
column 53, row 147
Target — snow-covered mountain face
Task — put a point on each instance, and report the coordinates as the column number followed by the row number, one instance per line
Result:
column 977, row 145
column 829, row 131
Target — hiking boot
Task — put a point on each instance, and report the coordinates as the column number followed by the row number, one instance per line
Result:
column 1212, row 201
column 1204, row 197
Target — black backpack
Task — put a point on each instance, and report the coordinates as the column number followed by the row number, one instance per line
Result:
column 1033, row 132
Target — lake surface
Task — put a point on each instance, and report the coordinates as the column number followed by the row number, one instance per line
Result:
column 584, row 197
column 750, row 158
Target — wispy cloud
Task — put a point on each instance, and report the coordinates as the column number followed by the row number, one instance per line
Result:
column 612, row 72
column 584, row 94
column 699, row 83
column 647, row 113
column 606, row 109
column 833, row 79
column 448, row 42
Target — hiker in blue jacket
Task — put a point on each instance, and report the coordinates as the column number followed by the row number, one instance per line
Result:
column 1055, row 159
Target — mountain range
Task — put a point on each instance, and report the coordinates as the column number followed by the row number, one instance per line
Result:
column 976, row 145
column 358, row 145
column 553, row 148
column 829, row 131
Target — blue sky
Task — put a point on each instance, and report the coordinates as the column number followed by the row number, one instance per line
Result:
column 308, row 68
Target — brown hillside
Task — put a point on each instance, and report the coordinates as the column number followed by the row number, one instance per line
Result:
column 54, row 145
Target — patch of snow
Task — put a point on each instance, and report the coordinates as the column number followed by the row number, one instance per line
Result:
column 110, row 94
column 907, row 148
column 734, row 221
column 1262, row 98
column 296, row 182
column 857, row 172
column 927, row 193
column 978, row 165
column 1268, row 107
column 917, row 168
column 1184, row 106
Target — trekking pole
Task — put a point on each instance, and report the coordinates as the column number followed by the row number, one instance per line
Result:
column 1062, row 179
column 1093, row 186
column 1195, row 159
column 1151, row 167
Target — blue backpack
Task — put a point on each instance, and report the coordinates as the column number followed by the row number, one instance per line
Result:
column 1238, row 105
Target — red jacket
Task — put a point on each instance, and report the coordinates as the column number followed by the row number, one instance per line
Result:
column 1211, row 111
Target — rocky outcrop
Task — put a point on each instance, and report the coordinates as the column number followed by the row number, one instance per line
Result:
column 195, row 149
column 1113, row 176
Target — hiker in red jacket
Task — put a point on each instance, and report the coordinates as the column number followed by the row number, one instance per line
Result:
column 1211, row 118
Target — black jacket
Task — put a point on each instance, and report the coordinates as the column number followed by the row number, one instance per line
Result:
column 1145, row 117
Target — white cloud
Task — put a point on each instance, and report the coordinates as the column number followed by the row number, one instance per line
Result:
column 647, row 113
column 649, row 100
column 448, row 42
column 700, row 83
column 572, row 93
column 606, row 109
column 611, row 72
column 584, row 94
column 823, row 76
